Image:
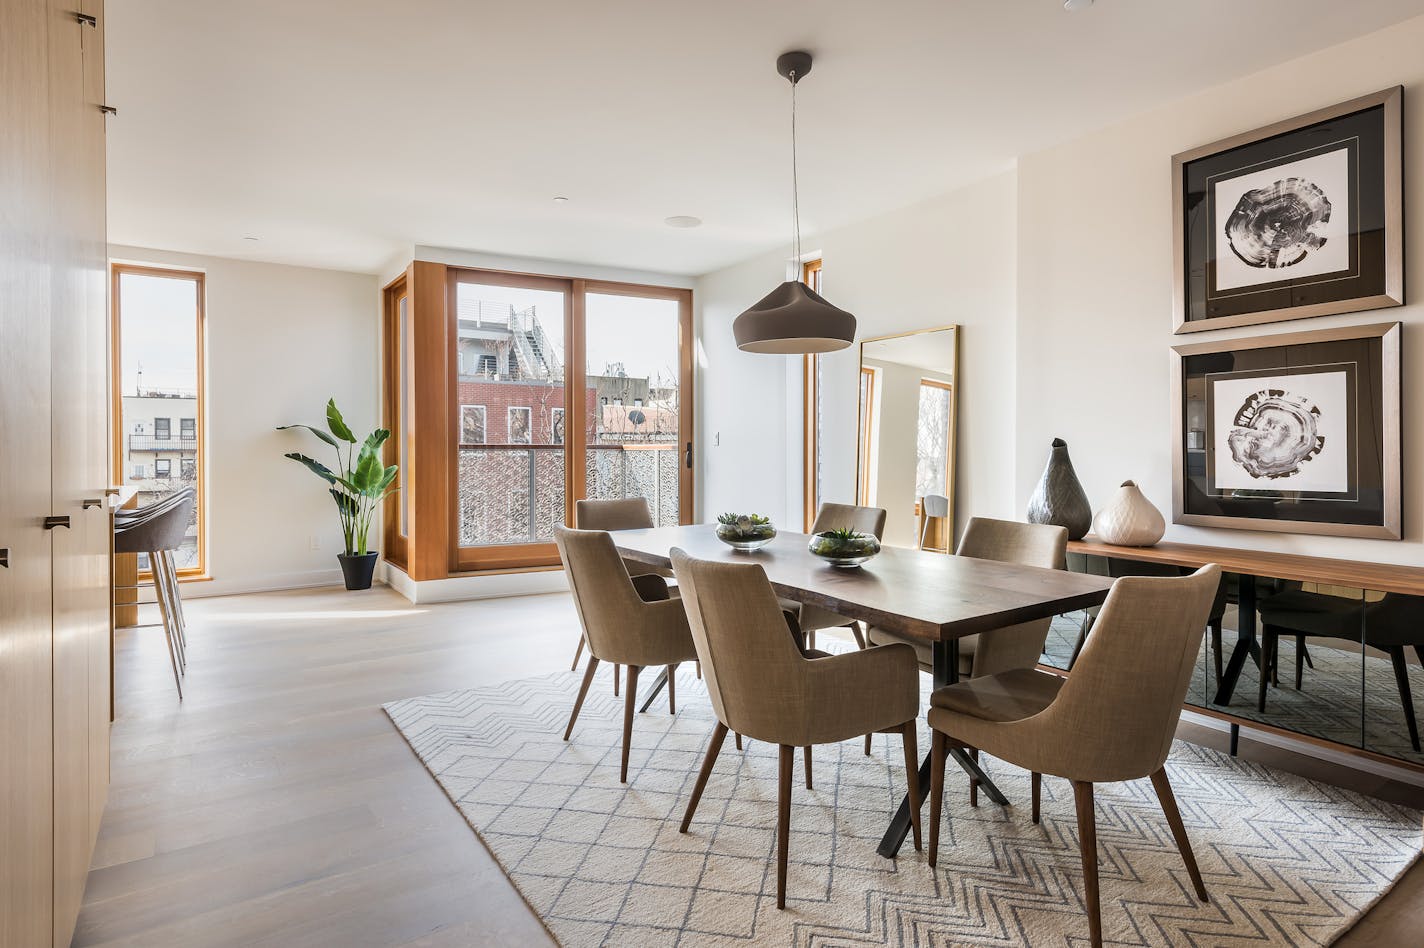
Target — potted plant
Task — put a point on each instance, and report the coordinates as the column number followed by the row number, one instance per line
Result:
column 844, row 547
column 745, row 532
column 358, row 484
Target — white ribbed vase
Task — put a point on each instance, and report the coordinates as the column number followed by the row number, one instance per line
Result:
column 1129, row 519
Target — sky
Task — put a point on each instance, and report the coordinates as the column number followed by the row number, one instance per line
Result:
column 159, row 333
column 640, row 333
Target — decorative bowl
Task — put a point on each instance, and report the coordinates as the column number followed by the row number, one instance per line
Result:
column 745, row 532
column 844, row 548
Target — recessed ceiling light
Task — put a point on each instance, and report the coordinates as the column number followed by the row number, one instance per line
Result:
column 1071, row 5
column 561, row 200
column 682, row 220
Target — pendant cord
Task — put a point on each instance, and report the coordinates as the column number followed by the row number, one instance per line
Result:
column 795, row 183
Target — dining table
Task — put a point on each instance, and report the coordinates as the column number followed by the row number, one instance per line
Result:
column 936, row 597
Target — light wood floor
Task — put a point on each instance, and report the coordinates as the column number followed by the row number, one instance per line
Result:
column 277, row 806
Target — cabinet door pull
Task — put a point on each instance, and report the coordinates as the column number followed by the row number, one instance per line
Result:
column 56, row 521
column 5, row 557
column 108, row 110
column 87, row 20
column 91, row 502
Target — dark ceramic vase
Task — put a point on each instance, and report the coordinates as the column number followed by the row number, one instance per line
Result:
column 1059, row 499
column 358, row 569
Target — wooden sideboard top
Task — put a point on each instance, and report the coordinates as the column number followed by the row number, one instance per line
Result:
column 1383, row 577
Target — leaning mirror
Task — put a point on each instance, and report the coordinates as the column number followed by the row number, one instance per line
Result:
column 907, row 434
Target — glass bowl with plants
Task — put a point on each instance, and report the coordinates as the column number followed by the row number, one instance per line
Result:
column 844, row 547
column 745, row 532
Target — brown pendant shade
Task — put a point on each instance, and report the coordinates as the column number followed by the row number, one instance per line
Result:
column 793, row 318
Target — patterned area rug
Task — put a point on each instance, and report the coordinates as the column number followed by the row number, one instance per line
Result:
column 1286, row 861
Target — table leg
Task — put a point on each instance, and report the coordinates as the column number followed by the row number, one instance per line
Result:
column 946, row 672
column 1246, row 644
column 658, row 686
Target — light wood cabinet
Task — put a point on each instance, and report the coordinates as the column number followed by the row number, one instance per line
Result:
column 54, row 611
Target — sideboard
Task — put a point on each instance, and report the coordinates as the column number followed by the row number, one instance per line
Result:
column 1354, row 693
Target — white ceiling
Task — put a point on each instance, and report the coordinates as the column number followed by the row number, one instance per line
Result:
column 341, row 132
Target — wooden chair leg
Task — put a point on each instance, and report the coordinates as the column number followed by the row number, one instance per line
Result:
column 739, row 742
column 860, row 636
column 1216, row 648
column 867, row 744
column 1179, row 832
column 974, row 784
column 583, row 692
column 699, row 671
column 811, row 639
column 714, row 747
column 939, row 747
column 672, row 689
column 1088, row 843
column 912, row 776
column 1083, row 630
column 615, row 680
column 806, row 753
column 578, row 653
column 1401, row 679
column 1037, row 782
column 630, row 707
column 1268, row 642
column 783, row 821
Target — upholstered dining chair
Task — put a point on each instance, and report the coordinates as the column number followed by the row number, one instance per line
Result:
column 627, row 513
column 1111, row 719
column 934, row 507
column 763, row 686
column 1015, row 646
column 635, row 624
column 812, row 618
column 1391, row 625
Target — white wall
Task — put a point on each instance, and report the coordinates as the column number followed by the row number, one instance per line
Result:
column 948, row 260
column 280, row 341
column 1095, row 286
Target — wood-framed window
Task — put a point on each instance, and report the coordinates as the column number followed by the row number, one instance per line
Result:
column 503, row 362
column 811, row 413
column 158, row 371
column 934, row 433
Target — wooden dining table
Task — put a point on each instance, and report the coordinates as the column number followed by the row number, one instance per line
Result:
column 936, row 597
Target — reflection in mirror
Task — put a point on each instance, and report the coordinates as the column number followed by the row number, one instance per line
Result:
column 906, row 438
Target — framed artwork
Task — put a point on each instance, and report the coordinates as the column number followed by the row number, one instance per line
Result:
column 1301, row 218
column 1297, row 432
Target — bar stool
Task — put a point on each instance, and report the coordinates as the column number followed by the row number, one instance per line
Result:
column 158, row 530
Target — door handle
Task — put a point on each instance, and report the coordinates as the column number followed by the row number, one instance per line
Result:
column 56, row 521
column 687, row 456
column 92, row 503
column 5, row 557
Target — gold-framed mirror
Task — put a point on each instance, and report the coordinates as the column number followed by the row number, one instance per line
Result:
column 906, row 439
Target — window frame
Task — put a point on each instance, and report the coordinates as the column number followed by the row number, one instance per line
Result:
column 948, row 388
column 163, row 432
column 199, row 571
column 484, row 424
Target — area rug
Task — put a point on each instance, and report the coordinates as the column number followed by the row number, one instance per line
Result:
column 1286, row 861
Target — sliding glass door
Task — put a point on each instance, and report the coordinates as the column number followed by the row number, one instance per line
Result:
column 563, row 389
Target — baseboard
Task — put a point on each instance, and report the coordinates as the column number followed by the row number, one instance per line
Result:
column 488, row 586
column 266, row 582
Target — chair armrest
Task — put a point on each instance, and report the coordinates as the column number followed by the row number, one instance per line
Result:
column 859, row 692
column 651, row 587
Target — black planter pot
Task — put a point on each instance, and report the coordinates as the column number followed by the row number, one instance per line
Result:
column 358, row 569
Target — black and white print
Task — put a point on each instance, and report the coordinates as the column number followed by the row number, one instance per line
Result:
column 1285, row 432
column 1287, row 221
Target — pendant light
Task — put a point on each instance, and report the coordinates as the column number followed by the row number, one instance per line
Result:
column 793, row 318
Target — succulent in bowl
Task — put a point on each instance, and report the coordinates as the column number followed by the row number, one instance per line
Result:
column 844, row 547
column 745, row 532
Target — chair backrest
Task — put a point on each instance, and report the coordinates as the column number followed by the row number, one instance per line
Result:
column 1009, row 541
column 604, row 595
column 934, row 505
column 754, row 673
column 848, row 516
column 1116, row 714
column 631, row 513
column 163, row 528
